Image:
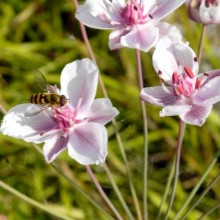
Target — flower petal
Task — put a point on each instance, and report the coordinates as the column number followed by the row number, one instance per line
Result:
column 115, row 38
column 142, row 37
column 99, row 14
column 176, row 109
column 102, row 111
column 172, row 55
column 148, row 6
column 170, row 31
column 197, row 115
column 79, row 81
column 209, row 93
column 88, row 144
column 158, row 96
column 164, row 7
column 30, row 129
column 54, row 146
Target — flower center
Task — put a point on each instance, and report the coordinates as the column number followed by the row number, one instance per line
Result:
column 133, row 13
column 185, row 84
column 64, row 117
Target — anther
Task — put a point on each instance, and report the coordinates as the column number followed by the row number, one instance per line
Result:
column 195, row 59
column 198, row 83
column 189, row 72
column 175, row 77
column 179, row 90
column 151, row 17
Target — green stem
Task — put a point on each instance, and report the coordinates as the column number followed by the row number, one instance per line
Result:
column 209, row 212
column 114, row 123
column 145, row 128
column 214, row 181
column 118, row 193
column 33, row 202
column 192, row 194
column 168, row 186
column 102, row 193
column 75, row 185
column 179, row 145
column 201, row 42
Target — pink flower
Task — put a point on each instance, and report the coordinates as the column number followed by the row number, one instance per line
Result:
column 77, row 126
column 183, row 92
column 204, row 11
column 135, row 22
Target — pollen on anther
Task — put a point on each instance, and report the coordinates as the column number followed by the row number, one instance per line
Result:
column 189, row 72
column 151, row 17
column 195, row 59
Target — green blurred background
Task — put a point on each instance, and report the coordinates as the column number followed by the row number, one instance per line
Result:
column 45, row 35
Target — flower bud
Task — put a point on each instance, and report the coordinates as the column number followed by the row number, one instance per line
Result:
column 204, row 11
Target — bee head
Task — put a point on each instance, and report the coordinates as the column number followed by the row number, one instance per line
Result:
column 63, row 100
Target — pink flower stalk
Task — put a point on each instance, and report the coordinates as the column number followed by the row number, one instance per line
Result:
column 204, row 11
column 135, row 22
column 77, row 126
column 183, row 92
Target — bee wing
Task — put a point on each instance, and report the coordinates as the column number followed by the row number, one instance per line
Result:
column 35, row 109
column 42, row 82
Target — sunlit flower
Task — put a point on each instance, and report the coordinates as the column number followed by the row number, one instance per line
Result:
column 182, row 92
column 204, row 11
column 135, row 22
column 77, row 126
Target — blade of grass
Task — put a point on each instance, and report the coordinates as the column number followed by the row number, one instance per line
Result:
column 177, row 163
column 168, row 186
column 192, row 194
column 117, row 191
column 33, row 202
column 74, row 184
column 214, row 181
column 209, row 212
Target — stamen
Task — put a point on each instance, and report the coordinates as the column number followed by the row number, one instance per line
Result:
column 189, row 72
column 179, row 90
column 198, row 83
column 195, row 59
column 175, row 77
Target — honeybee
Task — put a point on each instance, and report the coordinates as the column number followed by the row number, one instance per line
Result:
column 48, row 98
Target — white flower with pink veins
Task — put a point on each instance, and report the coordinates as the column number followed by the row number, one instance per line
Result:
column 135, row 23
column 183, row 92
column 78, row 126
